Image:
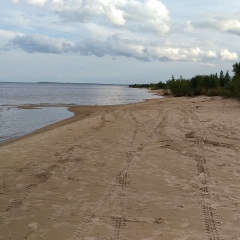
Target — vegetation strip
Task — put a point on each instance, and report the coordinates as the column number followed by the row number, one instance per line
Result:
column 211, row 85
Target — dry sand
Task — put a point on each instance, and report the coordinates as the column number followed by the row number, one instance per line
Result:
column 163, row 169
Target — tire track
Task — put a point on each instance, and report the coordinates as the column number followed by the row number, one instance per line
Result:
column 202, row 140
column 120, row 207
column 86, row 226
column 41, row 177
column 16, row 203
column 119, row 216
column 115, row 193
column 210, row 217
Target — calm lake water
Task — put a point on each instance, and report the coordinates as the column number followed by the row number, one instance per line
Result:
column 16, row 122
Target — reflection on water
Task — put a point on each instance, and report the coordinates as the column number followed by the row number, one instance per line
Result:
column 80, row 94
column 16, row 122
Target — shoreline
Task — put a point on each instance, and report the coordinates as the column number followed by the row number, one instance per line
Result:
column 72, row 108
column 44, row 128
column 159, row 169
column 77, row 115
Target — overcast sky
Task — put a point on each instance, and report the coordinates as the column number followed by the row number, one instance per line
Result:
column 116, row 41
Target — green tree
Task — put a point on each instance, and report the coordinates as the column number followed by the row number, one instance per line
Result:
column 161, row 85
column 180, row 87
column 236, row 69
column 221, row 79
column 232, row 88
column 224, row 79
column 221, row 75
column 227, row 77
column 213, row 81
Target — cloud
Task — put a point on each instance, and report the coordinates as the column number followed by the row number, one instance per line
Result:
column 229, row 25
column 115, row 45
column 228, row 56
column 148, row 16
column 120, row 45
column 182, row 54
column 37, row 2
column 41, row 44
column 34, row 2
column 5, row 37
column 4, row 34
column 133, row 15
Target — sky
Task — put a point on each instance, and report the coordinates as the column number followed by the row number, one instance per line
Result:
column 116, row 41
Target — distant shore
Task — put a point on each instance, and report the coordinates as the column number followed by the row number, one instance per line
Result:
column 160, row 169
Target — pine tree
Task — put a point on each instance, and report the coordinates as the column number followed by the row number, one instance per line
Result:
column 227, row 77
column 221, row 79
column 236, row 69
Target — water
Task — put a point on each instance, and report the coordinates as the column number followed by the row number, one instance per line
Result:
column 80, row 94
column 16, row 122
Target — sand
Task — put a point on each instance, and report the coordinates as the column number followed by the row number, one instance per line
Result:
column 162, row 169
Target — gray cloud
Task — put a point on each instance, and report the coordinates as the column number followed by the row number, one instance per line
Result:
column 115, row 45
column 40, row 43
column 228, row 25
column 120, row 45
column 133, row 15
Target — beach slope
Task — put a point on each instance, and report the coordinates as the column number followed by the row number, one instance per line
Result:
column 162, row 169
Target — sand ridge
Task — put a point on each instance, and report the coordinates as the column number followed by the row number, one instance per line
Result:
column 162, row 169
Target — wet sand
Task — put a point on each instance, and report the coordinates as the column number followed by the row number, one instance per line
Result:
column 162, row 169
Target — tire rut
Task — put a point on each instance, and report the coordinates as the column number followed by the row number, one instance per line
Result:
column 17, row 203
column 120, row 206
column 210, row 217
column 116, row 193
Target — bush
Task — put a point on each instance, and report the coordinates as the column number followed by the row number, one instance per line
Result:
column 232, row 89
column 214, row 92
column 181, row 87
column 166, row 92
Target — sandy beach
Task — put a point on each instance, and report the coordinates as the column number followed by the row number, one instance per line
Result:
column 166, row 169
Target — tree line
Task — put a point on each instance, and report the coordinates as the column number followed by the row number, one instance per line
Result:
column 221, row 84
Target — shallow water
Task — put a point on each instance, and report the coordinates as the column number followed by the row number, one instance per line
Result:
column 16, row 122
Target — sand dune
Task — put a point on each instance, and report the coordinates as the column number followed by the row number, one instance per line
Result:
column 163, row 169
